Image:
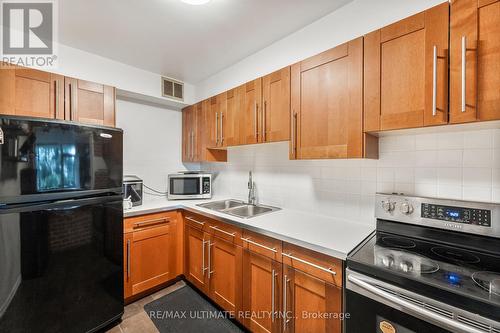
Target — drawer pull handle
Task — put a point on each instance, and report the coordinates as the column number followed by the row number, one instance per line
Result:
column 195, row 221
column 151, row 222
column 328, row 270
column 248, row 240
column 224, row 232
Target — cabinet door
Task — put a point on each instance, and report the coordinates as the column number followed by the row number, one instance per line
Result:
column 275, row 119
column 261, row 292
column 196, row 257
column 31, row 93
column 89, row 102
column 230, row 118
column 224, row 273
column 327, row 104
column 152, row 256
column 405, row 66
column 474, row 60
column 198, row 130
column 251, row 107
column 309, row 301
column 210, row 128
column 186, row 133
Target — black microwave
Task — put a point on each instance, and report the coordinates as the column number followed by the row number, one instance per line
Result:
column 189, row 186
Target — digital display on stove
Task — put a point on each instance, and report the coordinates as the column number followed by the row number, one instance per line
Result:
column 480, row 217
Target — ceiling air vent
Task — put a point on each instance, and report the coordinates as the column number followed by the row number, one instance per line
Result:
column 172, row 88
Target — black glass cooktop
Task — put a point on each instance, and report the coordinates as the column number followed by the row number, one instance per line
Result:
column 402, row 260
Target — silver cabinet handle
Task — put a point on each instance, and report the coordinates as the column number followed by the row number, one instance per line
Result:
column 128, row 258
column 248, row 240
column 221, row 128
column 294, row 135
column 285, row 306
column 150, row 222
column 195, row 221
column 263, row 121
column 192, row 145
column 223, row 231
column 203, row 268
column 70, row 101
column 256, row 121
column 412, row 308
column 328, row 270
column 56, row 82
column 464, row 70
column 216, row 128
column 273, row 296
column 434, row 81
column 210, row 271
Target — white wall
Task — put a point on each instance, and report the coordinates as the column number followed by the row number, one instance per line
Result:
column 151, row 141
column 351, row 21
column 458, row 165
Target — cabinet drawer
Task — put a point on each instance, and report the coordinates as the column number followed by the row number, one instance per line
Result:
column 137, row 223
column 226, row 231
column 324, row 267
column 263, row 245
column 197, row 221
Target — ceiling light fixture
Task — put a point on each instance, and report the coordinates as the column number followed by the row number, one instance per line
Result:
column 196, row 2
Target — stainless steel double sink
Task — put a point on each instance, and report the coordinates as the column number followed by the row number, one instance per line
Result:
column 238, row 208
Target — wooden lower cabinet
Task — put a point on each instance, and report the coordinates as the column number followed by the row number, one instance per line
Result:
column 310, row 304
column 262, row 279
column 224, row 273
column 196, row 257
column 150, row 252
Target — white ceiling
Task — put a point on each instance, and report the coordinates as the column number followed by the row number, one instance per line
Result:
column 186, row 42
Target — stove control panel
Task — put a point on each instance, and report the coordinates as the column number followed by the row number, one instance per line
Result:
column 481, row 217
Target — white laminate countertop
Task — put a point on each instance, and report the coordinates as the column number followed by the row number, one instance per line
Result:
column 331, row 236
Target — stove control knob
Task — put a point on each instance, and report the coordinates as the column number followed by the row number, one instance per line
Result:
column 406, row 266
column 406, row 208
column 388, row 261
column 388, row 205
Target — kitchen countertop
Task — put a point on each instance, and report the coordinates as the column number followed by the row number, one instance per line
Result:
column 331, row 236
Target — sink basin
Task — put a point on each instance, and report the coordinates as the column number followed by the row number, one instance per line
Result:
column 247, row 211
column 222, row 205
column 238, row 208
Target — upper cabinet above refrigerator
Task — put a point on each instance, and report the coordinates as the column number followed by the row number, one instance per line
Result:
column 406, row 72
column 474, row 60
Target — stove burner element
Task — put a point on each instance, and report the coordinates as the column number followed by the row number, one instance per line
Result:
column 398, row 242
column 489, row 281
column 455, row 255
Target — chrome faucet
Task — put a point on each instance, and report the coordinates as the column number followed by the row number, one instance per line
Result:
column 251, row 189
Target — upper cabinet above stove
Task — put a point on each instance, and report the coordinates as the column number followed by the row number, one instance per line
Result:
column 474, row 60
column 34, row 93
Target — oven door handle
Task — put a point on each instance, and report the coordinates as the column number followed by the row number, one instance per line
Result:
column 411, row 308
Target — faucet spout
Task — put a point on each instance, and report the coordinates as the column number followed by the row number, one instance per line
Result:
column 251, row 189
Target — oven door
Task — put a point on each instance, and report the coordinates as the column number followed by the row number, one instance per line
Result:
column 376, row 306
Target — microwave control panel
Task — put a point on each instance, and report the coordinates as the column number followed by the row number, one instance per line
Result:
column 206, row 185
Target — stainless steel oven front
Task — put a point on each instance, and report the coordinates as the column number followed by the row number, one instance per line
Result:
column 189, row 186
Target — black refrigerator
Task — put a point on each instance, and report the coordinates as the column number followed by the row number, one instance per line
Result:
column 61, row 226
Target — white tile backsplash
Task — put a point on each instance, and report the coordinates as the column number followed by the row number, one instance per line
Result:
column 457, row 165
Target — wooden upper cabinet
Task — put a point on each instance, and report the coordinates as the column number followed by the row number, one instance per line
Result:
column 186, row 133
column 250, row 110
column 327, row 104
column 89, row 102
column 210, row 128
column 474, row 60
column 230, row 118
column 406, row 71
column 275, row 117
column 31, row 93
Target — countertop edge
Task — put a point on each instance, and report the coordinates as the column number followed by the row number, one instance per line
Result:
column 310, row 246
